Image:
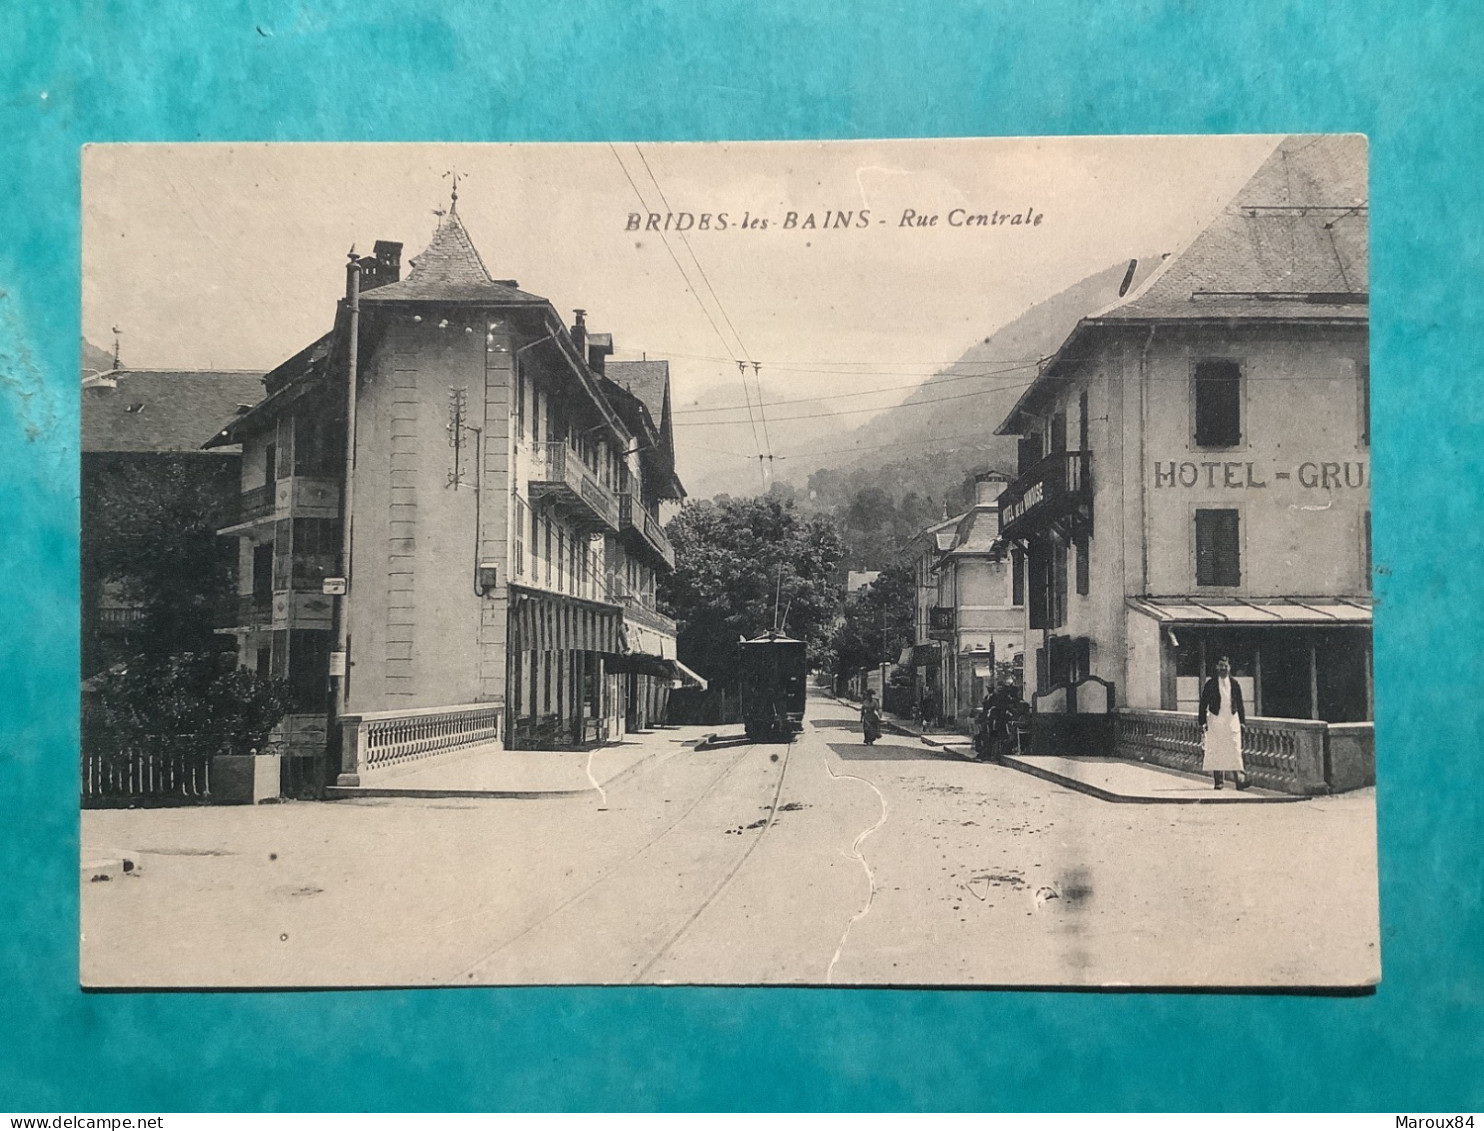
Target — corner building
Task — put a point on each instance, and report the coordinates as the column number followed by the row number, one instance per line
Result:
column 503, row 498
column 1194, row 474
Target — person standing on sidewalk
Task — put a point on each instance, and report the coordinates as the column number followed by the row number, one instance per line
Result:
column 1222, row 716
column 870, row 717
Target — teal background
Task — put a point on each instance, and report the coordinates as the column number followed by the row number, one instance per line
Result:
column 459, row 70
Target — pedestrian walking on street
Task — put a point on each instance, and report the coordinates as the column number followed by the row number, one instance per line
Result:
column 870, row 717
column 1221, row 718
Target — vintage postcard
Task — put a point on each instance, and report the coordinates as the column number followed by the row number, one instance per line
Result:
column 870, row 563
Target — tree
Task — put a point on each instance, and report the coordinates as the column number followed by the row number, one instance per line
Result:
column 151, row 526
column 744, row 566
column 879, row 622
column 196, row 702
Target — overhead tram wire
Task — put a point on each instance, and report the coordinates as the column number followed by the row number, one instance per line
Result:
column 693, row 291
column 884, row 389
column 715, row 298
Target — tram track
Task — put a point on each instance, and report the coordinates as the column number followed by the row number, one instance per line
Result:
column 730, row 875
column 468, row 971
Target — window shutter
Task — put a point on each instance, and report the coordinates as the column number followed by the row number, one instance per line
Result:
column 1217, row 548
column 1218, row 404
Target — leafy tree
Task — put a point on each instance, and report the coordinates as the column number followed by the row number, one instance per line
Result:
column 744, row 565
column 879, row 622
column 195, row 700
column 151, row 526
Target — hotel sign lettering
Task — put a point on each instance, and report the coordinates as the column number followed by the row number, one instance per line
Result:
column 1325, row 475
column 1032, row 497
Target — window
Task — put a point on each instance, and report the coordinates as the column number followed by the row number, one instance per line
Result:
column 1363, row 377
column 1084, row 581
column 262, row 574
column 520, row 400
column 309, row 667
column 1366, row 552
column 520, row 534
column 270, row 463
column 1017, row 577
column 1028, row 454
column 1218, row 404
column 1058, row 611
column 1217, row 548
column 1058, row 432
column 1082, row 422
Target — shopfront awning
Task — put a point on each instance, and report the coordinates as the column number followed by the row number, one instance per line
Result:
column 687, row 677
column 551, row 622
column 1255, row 613
column 919, row 656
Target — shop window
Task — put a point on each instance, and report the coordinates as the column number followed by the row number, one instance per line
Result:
column 1218, row 548
column 1218, row 404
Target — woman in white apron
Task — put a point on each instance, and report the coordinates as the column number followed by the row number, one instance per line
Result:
column 1222, row 717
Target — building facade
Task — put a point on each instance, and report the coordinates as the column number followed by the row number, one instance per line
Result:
column 142, row 431
column 1194, row 474
column 495, row 580
column 970, row 622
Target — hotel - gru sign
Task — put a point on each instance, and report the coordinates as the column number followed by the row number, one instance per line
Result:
column 1325, row 475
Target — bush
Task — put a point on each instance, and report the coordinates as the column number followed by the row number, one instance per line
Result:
column 187, row 698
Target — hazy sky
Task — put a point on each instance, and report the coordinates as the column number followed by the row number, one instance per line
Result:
column 232, row 256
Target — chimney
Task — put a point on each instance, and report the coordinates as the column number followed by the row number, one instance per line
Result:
column 579, row 332
column 599, row 346
column 987, row 488
column 388, row 262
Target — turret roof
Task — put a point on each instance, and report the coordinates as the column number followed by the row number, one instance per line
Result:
column 450, row 269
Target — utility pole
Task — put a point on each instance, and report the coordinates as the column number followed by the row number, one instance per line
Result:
column 339, row 588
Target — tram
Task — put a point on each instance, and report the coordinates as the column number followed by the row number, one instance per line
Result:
column 773, row 670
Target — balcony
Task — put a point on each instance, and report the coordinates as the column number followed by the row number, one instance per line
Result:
column 254, row 608
column 942, row 622
column 561, row 480
column 295, row 496
column 1054, row 489
column 644, row 529
column 257, row 502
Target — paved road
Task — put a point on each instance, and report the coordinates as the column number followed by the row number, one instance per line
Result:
column 824, row 861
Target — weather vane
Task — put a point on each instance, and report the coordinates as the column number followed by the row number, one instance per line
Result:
column 455, row 176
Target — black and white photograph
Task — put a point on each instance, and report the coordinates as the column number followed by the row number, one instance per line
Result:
column 849, row 563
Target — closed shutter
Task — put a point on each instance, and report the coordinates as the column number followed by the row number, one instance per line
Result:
column 1084, row 571
column 1218, row 404
column 1217, row 548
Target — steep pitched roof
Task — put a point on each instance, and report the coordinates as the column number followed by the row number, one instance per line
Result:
column 450, row 270
column 647, row 380
column 1292, row 244
column 158, row 410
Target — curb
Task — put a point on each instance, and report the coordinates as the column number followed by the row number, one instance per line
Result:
column 351, row 792
column 1014, row 763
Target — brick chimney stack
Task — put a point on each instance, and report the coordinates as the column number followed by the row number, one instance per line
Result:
column 987, row 488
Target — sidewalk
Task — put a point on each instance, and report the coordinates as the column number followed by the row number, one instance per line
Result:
column 489, row 771
column 1107, row 779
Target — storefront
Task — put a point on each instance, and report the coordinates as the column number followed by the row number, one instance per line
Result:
column 1294, row 658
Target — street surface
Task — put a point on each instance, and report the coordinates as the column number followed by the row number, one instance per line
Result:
column 822, row 862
